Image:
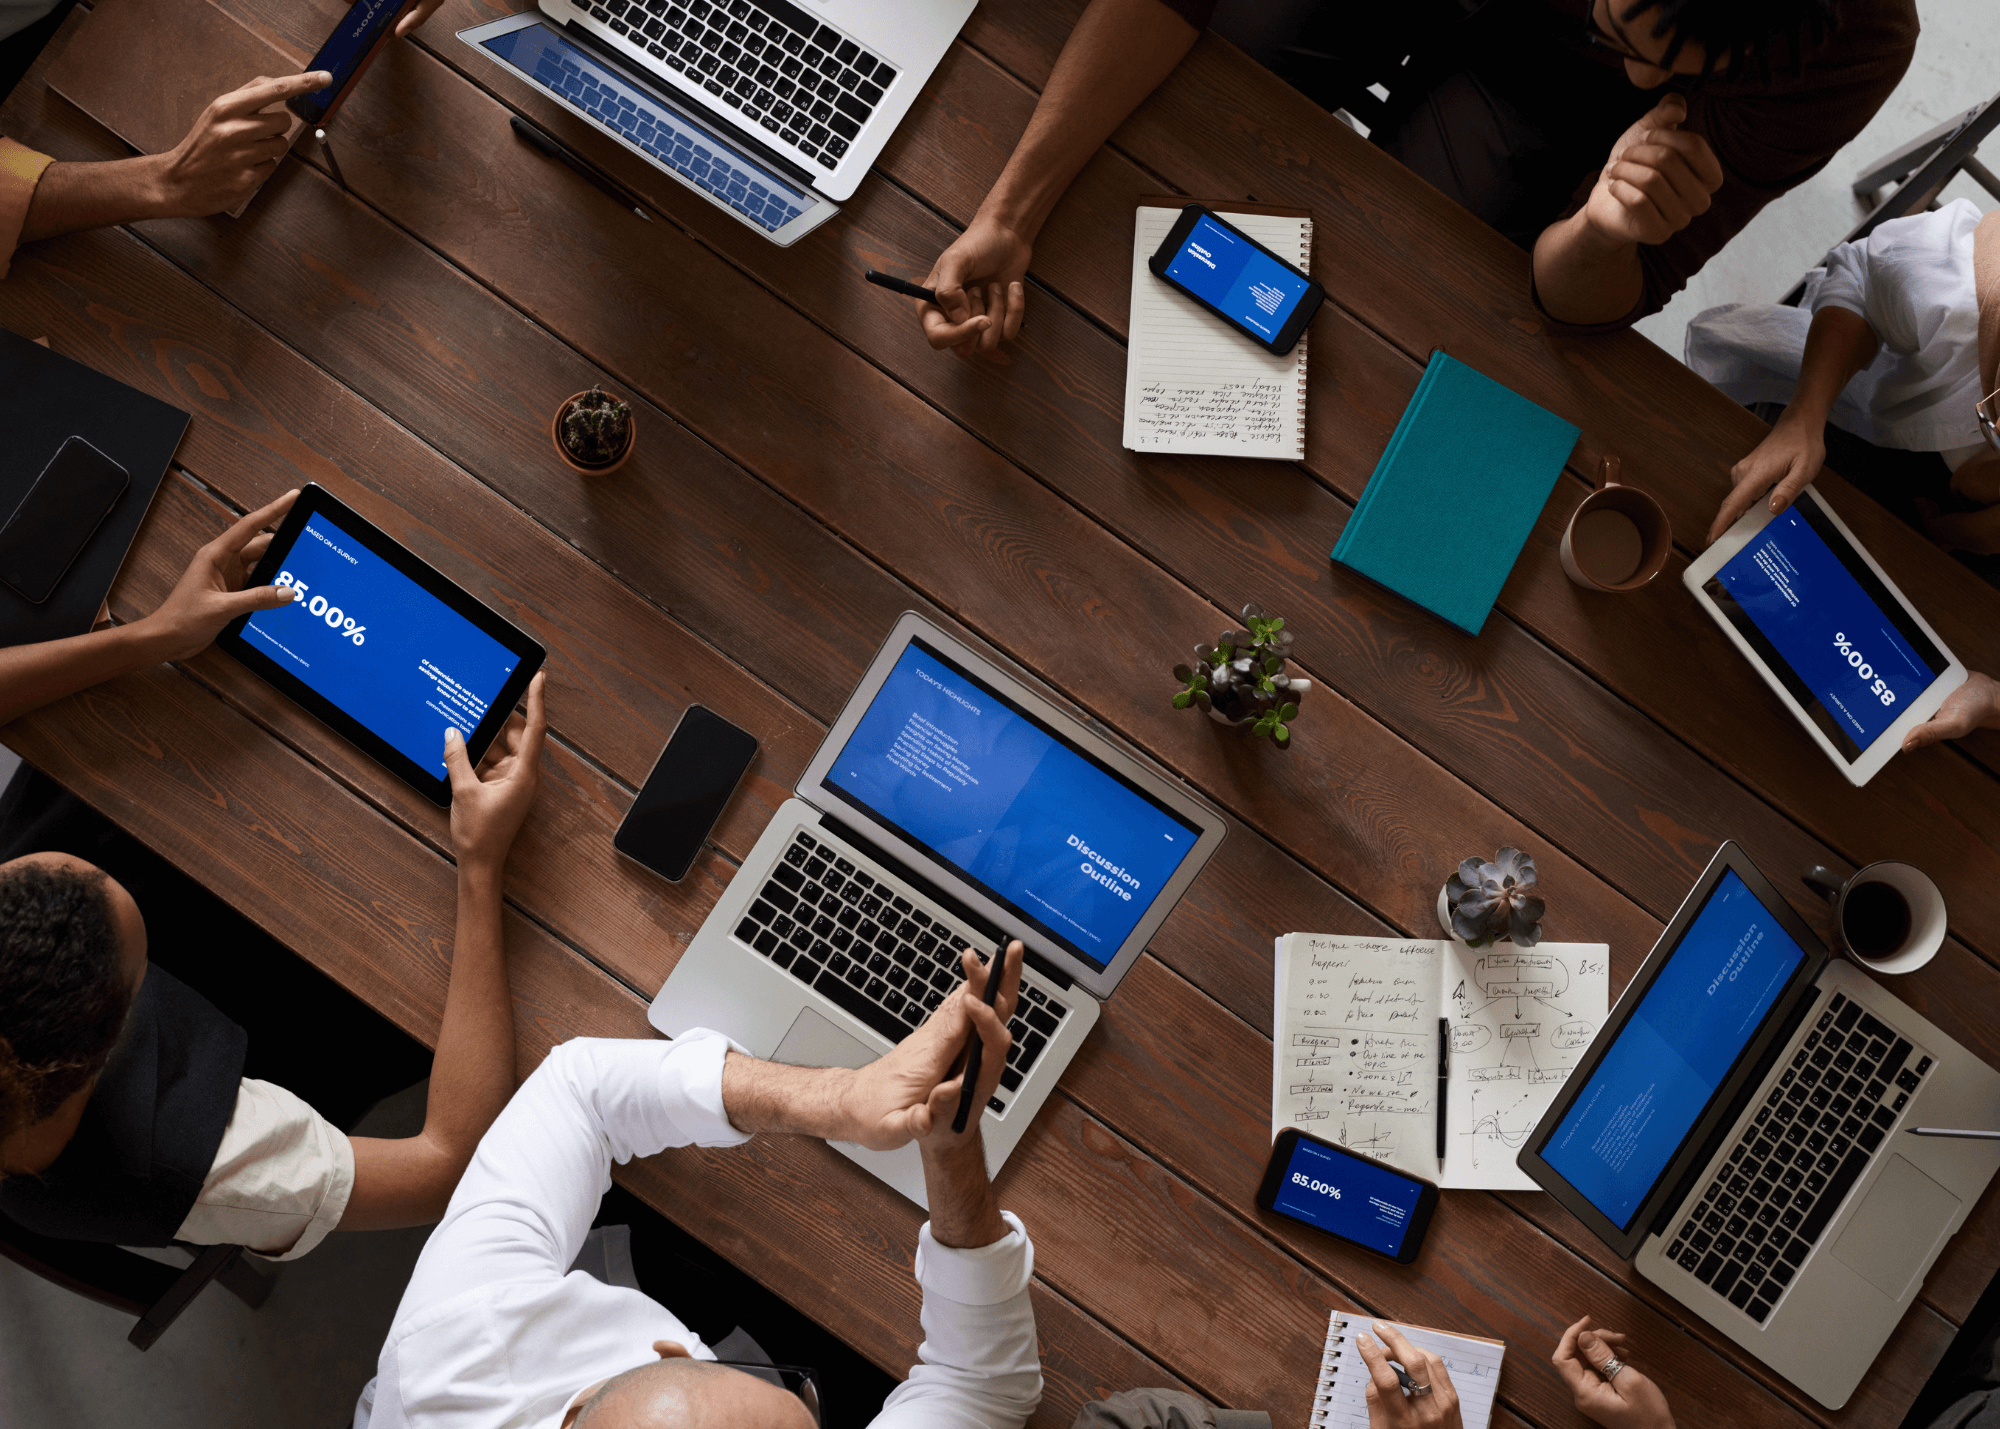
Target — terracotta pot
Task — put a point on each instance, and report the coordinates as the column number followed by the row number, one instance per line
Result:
column 555, row 437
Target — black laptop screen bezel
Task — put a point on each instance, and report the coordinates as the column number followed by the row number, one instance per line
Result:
column 1700, row 1143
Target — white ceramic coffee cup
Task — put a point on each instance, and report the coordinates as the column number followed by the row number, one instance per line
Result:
column 1927, row 912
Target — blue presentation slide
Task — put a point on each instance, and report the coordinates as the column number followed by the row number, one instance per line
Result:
column 1826, row 627
column 1041, row 827
column 379, row 645
column 1687, row 1032
column 1224, row 270
column 1349, row 1196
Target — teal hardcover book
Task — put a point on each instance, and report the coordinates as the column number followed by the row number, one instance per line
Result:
column 1457, row 491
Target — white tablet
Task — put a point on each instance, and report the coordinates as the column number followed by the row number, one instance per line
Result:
column 1820, row 620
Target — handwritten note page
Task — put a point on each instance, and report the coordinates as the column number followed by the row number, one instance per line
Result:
column 1356, row 1059
column 1341, row 1401
column 1520, row 1019
column 1192, row 382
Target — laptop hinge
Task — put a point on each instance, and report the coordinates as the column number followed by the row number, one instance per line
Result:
column 1672, row 1205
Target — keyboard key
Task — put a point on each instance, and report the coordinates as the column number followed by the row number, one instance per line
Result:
column 826, row 37
column 853, row 108
column 805, row 969
column 1010, row 1079
column 842, row 995
column 747, row 930
column 1757, row 1310
column 762, row 912
column 1725, row 1279
column 896, row 1002
column 1782, row 1273
column 1871, row 1137
column 767, row 943
column 784, row 955
column 884, row 75
column 1709, row 1269
column 795, row 855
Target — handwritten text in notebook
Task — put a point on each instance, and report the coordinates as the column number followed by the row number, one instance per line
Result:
column 1192, row 383
column 1340, row 1393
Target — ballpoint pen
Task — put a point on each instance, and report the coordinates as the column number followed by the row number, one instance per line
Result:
column 898, row 285
column 1444, row 1082
column 967, row 1091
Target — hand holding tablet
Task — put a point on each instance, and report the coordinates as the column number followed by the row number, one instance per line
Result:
column 379, row 645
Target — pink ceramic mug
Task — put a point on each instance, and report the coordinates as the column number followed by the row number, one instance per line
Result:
column 1619, row 538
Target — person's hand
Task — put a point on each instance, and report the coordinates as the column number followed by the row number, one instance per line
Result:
column 981, row 296
column 210, row 592
column 1657, row 180
column 233, row 147
column 1973, row 705
column 489, row 803
column 1388, row 1406
column 1628, row 1400
column 904, row 1097
column 419, row 12
column 1788, row 459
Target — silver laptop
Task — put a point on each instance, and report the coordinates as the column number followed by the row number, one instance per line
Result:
column 769, row 109
column 952, row 805
column 1739, row 1130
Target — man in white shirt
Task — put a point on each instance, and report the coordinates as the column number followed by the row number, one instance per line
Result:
column 496, row 1331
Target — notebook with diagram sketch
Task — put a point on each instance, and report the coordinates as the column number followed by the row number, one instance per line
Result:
column 1193, row 384
column 1340, row 1394
column 1355, row 1053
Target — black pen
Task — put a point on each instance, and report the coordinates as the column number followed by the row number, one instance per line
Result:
column 967, row 1091
column 897, row 285
column 563, row 156
column 1961, row 1133
column 1444, row 1082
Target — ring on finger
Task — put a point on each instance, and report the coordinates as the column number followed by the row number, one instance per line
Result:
column 1610, row 1368
column 1417, row 1389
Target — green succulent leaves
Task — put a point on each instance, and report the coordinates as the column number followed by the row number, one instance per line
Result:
column 1242, row 678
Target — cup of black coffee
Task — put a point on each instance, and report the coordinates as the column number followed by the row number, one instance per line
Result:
column 1889, row 916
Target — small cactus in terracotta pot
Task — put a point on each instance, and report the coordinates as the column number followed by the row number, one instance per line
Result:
column 594, row 432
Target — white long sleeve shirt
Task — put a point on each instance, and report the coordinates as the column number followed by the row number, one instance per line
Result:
column 1912, row 281
column 495, row 1332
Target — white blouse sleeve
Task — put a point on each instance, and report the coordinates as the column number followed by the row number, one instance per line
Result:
column 280, row 1180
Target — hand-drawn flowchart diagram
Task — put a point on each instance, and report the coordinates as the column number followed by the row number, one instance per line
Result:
column 1520, row 1017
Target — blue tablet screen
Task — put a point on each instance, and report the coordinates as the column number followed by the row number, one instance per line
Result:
column 1669, row 1060
column 1038, row 824
column 1226, row 270
column 378, row 645
column 1348, row 1195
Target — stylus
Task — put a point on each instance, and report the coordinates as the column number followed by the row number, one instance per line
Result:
column 897, row 285
column 1959, row 1132
column 1444, row 1081
column 563, row 156
column 994, row 967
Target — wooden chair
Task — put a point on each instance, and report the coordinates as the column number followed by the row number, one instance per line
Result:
column 154, row 1293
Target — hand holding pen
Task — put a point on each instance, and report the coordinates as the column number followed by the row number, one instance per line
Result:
column 1408, row 1387
column 989, row 1029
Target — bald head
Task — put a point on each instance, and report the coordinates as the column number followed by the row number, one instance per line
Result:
column 691, row 1394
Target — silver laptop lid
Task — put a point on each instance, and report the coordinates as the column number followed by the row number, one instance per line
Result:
column 1010, row 804
column 767, row 195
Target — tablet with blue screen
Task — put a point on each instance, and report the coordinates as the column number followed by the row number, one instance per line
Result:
column 1821, row 622
column 380, row 646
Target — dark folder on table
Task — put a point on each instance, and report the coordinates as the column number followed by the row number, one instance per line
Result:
column 47, row 400
column 1451, row 503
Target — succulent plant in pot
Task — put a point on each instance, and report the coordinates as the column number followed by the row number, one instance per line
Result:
column 1241, row 680
column 594, row 431
column 1486, row 903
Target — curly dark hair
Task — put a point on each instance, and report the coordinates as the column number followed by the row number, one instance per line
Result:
column 1739, row 36
column 63, row 996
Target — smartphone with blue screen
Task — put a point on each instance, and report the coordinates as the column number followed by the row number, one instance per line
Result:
column 1238, row 279
column 346, row 55
column 1349, row 1196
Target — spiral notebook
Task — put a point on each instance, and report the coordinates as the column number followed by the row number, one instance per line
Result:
column 1195, row 385
column 1340, row 1394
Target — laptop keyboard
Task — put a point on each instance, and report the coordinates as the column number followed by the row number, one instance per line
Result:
column 847, row 933
column 657, row 130
column 804, row 82
column 1811, row 1140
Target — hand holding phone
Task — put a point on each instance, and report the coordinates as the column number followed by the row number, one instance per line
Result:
column 705, row 759
column 1347, row 1195
column 347, row 53
column 1238, row 279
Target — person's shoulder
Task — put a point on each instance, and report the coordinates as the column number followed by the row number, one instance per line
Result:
column 1876, row 34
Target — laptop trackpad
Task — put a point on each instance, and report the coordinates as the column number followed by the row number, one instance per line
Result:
column 1892, row 1233
column 815, row 1042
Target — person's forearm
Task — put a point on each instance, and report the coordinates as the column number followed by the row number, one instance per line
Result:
column 73, row 197
column 1839, row 344
column 794, row 1101
column 1986, row 287
column 35, row 675
column 1583, row 277
column 472, row 1073
column 964, row 1212
column 1118, row 54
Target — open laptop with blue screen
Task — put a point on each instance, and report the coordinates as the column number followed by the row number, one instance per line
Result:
column 1735, row 1130
column 770, row 110
column 951, row 805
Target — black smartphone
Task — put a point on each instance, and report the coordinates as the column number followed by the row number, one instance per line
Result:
column 57, row 518
column 346, row 54
column 704, row 760
column 1349, row 1196
column 1238, row 279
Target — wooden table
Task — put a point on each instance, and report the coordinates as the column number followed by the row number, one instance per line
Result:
column 808, row 468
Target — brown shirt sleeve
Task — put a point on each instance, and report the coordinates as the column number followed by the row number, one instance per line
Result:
column 1773, row 136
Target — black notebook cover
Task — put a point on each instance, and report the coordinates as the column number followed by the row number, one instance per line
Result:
column 45, row 399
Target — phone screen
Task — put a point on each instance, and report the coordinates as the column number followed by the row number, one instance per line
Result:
column 1348, row 1196
column 343, row 51
column 1247, row 285
column 686, row 792
column 67, row 503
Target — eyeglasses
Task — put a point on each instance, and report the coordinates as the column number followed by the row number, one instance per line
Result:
column 797, row 1379
column 1988, row 412
column 1594, row 34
